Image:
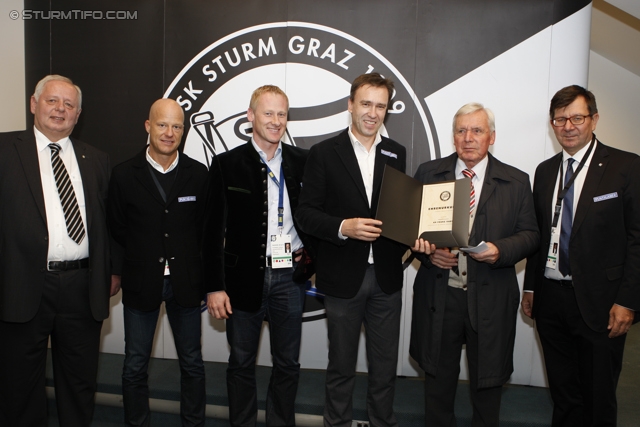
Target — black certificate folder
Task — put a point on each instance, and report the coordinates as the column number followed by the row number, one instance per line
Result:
column 436, row 212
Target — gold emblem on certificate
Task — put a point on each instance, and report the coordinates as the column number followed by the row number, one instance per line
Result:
column 437, row 207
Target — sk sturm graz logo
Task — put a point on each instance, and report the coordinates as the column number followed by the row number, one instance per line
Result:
column 315, row 66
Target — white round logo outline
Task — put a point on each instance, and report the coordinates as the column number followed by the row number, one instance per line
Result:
column 284, row 24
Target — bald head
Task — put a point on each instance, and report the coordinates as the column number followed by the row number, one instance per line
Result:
column 166, row 104
column 165, row 127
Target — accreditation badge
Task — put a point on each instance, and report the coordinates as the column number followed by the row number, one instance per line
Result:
column 281, row 256
column 554, row 247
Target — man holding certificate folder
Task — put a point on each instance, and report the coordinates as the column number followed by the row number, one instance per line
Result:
column 473, row 298
column 358, row 270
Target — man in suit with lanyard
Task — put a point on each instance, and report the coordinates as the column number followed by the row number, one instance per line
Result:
column 584, row 295
column 156, row 214
column 251, row 277
column 359, row 271
column 54, row 261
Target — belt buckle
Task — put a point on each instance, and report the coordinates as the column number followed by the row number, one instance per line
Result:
column 57, row 266
column 567, row 284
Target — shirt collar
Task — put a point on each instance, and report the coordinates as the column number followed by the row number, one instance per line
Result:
column 479, row 169
column 580, row 154
column 355, row 143
column 157, row 166
column 263, row 155
column 43, row 142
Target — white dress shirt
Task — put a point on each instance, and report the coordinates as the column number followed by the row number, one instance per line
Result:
column 272, row 201
column 578, row 183
column 366, row 163
column 61, row 246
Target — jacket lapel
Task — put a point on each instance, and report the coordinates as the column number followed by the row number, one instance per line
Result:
column 487, row 186
column 293, row 187
column 143, row 174
column 495, row 170
column 378, row 172
column 88, row 178
column 348, row 157
column 547, row 182
column 598, row 165
column 183, row 176
column 447, row 170
column 28, row 152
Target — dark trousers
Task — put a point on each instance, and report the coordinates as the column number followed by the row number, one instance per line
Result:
column 583, row 366
column 282, row 304
column 440, row 390
column 65, row 316
column 380, row 314
column 139, row 330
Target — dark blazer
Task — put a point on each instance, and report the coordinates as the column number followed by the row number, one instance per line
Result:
column 605, row 237
column 504, row 217
column 23, row 226
column 236, row 226
column 333, row 191
column 151, row 230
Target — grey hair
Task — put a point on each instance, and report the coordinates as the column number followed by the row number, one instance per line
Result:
column 471, row 108
column 55, row 77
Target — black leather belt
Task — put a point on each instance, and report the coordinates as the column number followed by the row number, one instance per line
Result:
column 68, row 265
column 562, row 283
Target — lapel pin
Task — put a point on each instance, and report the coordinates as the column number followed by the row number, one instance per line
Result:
column 599, row 164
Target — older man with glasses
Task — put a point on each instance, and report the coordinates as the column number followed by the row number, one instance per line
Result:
column 586, row 275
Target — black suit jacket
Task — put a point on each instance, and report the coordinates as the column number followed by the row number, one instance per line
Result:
column 506, row 218
column 151, row 231
column 236, row 225
column 605, row 238
column 23, row 226
column 333, row 191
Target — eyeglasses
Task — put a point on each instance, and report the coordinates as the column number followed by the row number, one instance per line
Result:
column 575, row 120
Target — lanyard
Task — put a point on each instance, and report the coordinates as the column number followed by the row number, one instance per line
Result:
column 563, row 191
column 280, row 193
column 158, row 185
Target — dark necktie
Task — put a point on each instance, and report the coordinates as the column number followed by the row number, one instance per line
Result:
column 72, row 217
column 567, row 222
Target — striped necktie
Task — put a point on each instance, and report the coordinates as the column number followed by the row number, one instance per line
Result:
column 472, row 196
column 72, row 217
